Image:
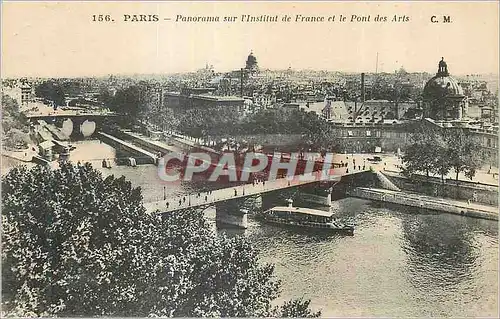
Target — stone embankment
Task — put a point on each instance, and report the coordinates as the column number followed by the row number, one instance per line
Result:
column 426, row 202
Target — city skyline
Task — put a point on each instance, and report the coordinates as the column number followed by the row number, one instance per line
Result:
column 73, row 46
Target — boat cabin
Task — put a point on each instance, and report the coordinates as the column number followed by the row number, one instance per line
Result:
column 300, row 214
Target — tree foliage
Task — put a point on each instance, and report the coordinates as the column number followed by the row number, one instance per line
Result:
column 437, row 151
column 128, row 101
column 15, row 127
column 424, row 152
column 76, row 243
column 51, row 91
column 223, row 122
column 464, row 153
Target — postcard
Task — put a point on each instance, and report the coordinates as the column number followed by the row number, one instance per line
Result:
column 250, row 159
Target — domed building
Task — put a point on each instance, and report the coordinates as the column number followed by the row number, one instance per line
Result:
column 251, row 64
column 443, row 97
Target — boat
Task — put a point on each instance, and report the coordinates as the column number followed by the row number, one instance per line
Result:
column 306, row 218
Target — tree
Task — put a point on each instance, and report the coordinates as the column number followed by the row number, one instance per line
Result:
column 15, row 126
column 76, row 243
column 51, row 91
column 464, row 153
column 297, row 308
column 128, row 101
column 434, row 150
column 442, row 164
column 426, row 152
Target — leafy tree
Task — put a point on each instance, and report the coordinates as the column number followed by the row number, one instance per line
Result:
column 464, row 153
column 76, row 243
column 297, row 308
column 51, row 91
column 426, row 152
column 438, row 151
column 15, row 127
column 128, row 101
column 105, row 97
column 442, row 164
column 164, row 118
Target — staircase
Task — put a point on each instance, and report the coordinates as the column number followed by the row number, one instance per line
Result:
column 386, row 183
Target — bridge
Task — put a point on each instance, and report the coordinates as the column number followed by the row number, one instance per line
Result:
column 47, row 114
column 78, row 117
column 228, row 201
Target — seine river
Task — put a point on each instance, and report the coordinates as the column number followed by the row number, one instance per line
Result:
column 398, row 263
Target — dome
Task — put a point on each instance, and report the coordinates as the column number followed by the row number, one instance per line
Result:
column 251, row 62
column 445, row 86
column 251, row 57
column 444, row 99
column 442, row 85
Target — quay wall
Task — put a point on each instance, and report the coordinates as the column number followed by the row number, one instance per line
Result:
column 141, row 156
column 461, row 190
column 348, row 182
column 423, row 203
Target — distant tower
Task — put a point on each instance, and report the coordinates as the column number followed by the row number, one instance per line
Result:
column 251, row 64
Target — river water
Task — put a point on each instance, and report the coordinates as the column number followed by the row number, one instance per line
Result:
column 398, row 263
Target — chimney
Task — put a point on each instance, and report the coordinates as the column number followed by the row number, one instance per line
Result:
column 362, row 88
column 241, row 82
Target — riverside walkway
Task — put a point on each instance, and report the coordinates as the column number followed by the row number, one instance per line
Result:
column 129, row 146
column 149, row 143
column 427, row 202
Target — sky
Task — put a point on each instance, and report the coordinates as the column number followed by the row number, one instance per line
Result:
column 59, row 39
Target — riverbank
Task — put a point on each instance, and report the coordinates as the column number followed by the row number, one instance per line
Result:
column 427, row 202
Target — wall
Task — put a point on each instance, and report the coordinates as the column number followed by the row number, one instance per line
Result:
column 404, row 199
column 349, row 182
column 486, row 194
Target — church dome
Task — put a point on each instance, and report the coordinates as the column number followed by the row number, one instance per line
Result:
column 442, row 85
column 251, row 62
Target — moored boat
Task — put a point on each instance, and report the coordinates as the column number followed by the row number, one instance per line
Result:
column 304, row 218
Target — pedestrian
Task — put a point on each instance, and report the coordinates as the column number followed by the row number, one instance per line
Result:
column 168, row 204
column 243, row 192
column 180, row 202
column 235, row 192
column 359, row 167
column 184, row 199
column 347, row 171
column 364, row 167
column 206, row 198
column 474, row 196
column 263, row 183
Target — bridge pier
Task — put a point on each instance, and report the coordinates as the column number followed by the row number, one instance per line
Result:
column 318, row 193
column 277, row 198
column 229, row 213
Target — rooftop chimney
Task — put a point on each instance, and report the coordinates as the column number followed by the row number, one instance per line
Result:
column 362, row 88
